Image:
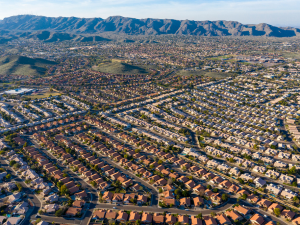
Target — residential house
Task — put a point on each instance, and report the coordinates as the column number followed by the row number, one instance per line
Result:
column 134, row 216
column 223, row 219
column 257, row 219
column 122, row 216
column 274, row 206
column 242, row 210
column 234, row 215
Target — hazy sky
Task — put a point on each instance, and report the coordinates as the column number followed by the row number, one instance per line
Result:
column 276, row 12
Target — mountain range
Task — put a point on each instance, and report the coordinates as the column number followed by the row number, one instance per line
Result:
column 68, row 28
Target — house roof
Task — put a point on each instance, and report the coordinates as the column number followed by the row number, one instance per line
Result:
column 99, row 213
column 195, row 221
column 198, row 200
column 185, row 201
column 241, row 209
column 222, row 219
column 183, row 219
column 110, row 214
column 122, row 216
column 296, row 221
column 170, row 218
column 146, row 217
column 158, row 218
column 274, row 206
column 258, row 219
column 210, row 220
column 234, row 215
column 134, row 216
column 264, row 202
column 73, row 211
column 288, row 214
column 78, row 203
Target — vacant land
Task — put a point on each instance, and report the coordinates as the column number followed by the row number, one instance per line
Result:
column 25, row 66
column 119, row 67
column 203, row 73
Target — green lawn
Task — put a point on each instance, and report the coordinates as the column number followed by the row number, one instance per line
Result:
column 204, row 73
column 43, row 95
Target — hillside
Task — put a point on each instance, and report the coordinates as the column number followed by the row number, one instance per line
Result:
column 116, row 67
column 132, row 26
column 21, row 65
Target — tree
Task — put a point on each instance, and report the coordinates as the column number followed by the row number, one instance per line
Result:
column 160, row 190
column 296, row 199
column 185, row 193
column 59, row 184
column 231, row 160
column 16, row 166
column 12, row 162
column 41, row 212
column 96, row 167
column 177, row 192
column 38, row 220
column 59, row 213
column 19, row 187
column 27, row 181
column 244, row 196
column 199, row 216
column 8, row 176
column 293, row 170
column 93, row 183
column 224, row 197
column 213, row 214
column 64, row 190
column 277, row 212
column 209, row 186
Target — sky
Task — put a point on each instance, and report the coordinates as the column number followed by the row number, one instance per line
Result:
column 275, row 12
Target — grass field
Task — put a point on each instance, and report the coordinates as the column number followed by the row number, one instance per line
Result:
column 222, row 57
column 119, row 67
column 43, row 95
column 293, row 55
column 217, row 75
